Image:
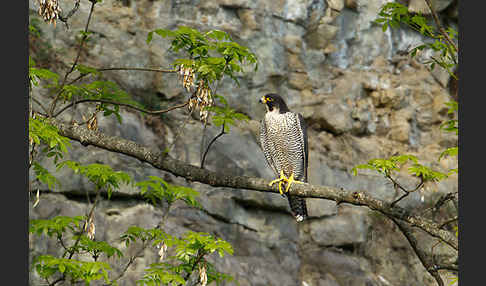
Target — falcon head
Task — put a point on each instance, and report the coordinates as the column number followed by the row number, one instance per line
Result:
column 274, row 103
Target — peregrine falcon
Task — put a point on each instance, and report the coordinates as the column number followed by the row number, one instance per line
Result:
column 283, row 137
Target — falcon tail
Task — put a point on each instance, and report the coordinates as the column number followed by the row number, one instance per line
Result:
column 298, row 207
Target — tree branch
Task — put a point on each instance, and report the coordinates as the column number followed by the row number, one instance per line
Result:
column 423, row 257
column 120, row 104
column 407, row 192
column 124, row 69
column 192, row 173
column 209, row 145
column 70, row 14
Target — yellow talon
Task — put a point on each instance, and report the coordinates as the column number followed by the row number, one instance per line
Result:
column 290, row 181
column 283, row 179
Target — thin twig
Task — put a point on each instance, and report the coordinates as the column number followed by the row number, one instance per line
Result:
column 211, row 143
column 222, row 132
column 124, row 69
column 83, row 39
column 440, row 202
column 70, row 14
column 121, row 104
column 130, row 262
column 137, row 69
column 180, row 130
column 407, row 192
column 40, row 104
column 448, row 221
column 71, row 253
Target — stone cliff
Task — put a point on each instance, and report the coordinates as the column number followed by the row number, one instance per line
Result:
column 361, row 97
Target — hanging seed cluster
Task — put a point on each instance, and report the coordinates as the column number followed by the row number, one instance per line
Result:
column 188, row 77
column 49, row 10
column 202, row 97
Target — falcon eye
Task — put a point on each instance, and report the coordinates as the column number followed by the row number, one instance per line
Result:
column 269, row 99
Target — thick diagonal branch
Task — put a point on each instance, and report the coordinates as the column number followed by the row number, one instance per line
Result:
column 422, row 255
column 192, row 173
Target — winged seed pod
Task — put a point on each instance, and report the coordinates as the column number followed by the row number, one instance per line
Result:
column 93, row 123
column 204, row 99
column 162, row 251
column 203, row 277
column 188, row 77
column 90, row 227
column 49, row 10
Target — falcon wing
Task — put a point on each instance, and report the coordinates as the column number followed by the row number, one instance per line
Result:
column 303, row 128
column 266, row 146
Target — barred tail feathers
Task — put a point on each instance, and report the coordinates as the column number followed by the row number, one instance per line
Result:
column 298, row 207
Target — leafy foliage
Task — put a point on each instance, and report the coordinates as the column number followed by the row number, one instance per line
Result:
column 192, row 242
column 190, row 250
column 40, row 131
column 157, row 190
column 44, row 176
column 99, row 90
column 426, row 173
column 75, row 270
column 386, row 166
column 452, row 124
column 157, row 274
column 134, row 232
column 449, row 152
column 85, row 70
column 36, row 74
column 394, row 163
column 393, row 14
column 55, row 226
column 211, row 54
column 103, row 176
column 95, row 248
column 225, row 114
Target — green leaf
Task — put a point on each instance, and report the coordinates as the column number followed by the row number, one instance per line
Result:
column 386, row 166
column 55, row 227
column 150, row 36
column 96, row 247
column 453, row 151
column 74, row 270
column 36, row 74
column 426, row 173
column 42, row 132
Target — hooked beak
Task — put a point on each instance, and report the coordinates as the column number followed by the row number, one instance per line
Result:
column 262, row 100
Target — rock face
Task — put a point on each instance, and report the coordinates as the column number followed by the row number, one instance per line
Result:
column 360, row 98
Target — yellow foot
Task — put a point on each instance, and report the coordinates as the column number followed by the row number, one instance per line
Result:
column 283, row 179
